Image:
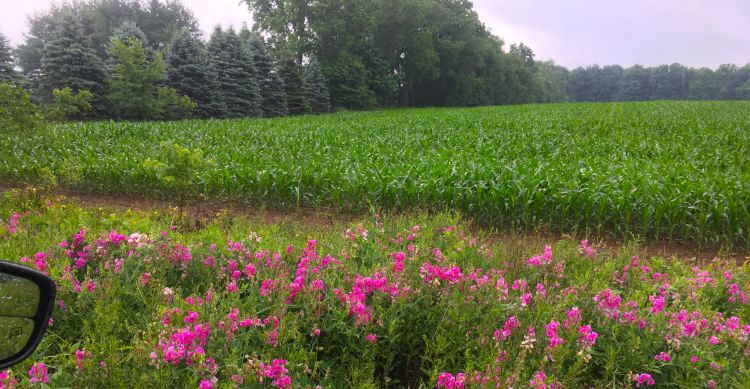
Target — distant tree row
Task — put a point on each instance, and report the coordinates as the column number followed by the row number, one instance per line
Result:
column 162, row 71
column 638, row 83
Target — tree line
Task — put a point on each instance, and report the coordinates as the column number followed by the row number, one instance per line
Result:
column 134, row 60
column 638, row 83
column 131, row 59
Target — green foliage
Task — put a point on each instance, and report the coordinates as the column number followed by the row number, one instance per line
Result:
column 68, row 61
column 17, row 113
column 173, row 106
column 159, row 20
column 233, row 63
column 190, row 73
column 661, row 170
column 7, row 71
column 294, row 86
column 273, row 97
column 134, row 85
column 317, row 88
column 67, row 104
column 177, row 167
column 314, row 292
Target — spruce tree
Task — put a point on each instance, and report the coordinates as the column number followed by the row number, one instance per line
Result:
column 129, row 29
column 68, row 61
column 294, row 86
column 234, row 73
column 273, row 97
column 7, row 72
column 190, row 73
column 317, row 88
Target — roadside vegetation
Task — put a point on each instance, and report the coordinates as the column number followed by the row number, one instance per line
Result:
column 410, row 300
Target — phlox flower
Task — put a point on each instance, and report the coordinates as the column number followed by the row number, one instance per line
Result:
column 448, row 381
column 643, row 379
column 38, row 373
column 662, row 356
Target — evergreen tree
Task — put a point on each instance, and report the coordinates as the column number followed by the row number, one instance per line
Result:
column 273, row 97
column 317, row 88
column 235, row 74
column 127, row 30
column 190, row 73
column 68, row 61
column 7, row 72
column 294, row 86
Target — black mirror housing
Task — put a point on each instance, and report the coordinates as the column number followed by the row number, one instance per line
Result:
column 43, row 312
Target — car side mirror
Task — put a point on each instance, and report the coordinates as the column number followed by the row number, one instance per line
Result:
column 26, row 301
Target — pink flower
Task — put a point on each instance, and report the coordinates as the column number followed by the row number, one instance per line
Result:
column 205, row 384
column 371, row 338
column 526, row 299
column 191, row 317
column 448, row 381
column 38, row 373
column 145, row 278
column 643, row 378
column 662, row 356
column 694, row 359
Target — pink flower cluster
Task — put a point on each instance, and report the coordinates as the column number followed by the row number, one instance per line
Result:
column 12, row 226
column 184, row 344
column 510, row 325
column 448, row 381
column 544, row 259
column 277, row 372
column 643, row 379
column 451, row 274
column 551, row 330
column 38, row 373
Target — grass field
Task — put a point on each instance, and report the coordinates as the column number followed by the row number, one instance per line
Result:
column 663, row 170
column 407, row 300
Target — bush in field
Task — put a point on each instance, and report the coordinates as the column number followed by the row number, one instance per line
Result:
column 67, row 104
column 17, row 112
column 383, row 304
column 177, row 168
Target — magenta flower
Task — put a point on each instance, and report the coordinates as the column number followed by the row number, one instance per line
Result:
column 38, row 373
column 643, row 379
column 662, row 356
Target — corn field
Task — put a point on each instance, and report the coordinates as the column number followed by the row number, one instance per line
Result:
column 663, row 170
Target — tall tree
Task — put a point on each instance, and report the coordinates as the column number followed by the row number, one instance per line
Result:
column 236, row 81
column 190, row 73
column 7, row 71
column 317, row 88
column 68, row 61
column 273, row 96
column 132, row 87
column 294, row 86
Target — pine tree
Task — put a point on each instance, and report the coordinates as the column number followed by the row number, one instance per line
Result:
column 273, row 97
column 190, row 73
column 68, row 61
column 129, row 29
column 7, row 72
column 317, row 88
column 235, row 74
column 294, row 86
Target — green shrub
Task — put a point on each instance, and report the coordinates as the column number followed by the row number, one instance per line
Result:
column 67, row 104
column 17, row 112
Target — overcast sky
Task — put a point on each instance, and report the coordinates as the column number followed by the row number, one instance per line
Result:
column 571, row 32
